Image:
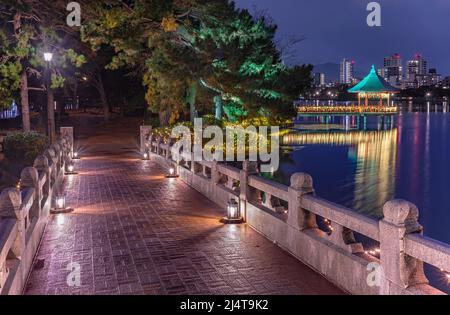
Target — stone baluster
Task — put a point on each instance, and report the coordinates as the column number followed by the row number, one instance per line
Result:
column 246, row 193
column 299, row 218
column 400, row 271
column 145, row 133
column 30, row 180
column 230, row 183
column 10, row 208
column 205, row 171
column 41, row 165
column 345, row 239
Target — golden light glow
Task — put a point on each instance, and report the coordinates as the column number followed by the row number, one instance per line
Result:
column 347, row 109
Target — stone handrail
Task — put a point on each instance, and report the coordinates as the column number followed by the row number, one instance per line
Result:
column 428, row 250
column 342, row 216
column 24, row 212
column 294, row 218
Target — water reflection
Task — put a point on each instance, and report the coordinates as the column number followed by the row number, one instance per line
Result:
column 373, row 152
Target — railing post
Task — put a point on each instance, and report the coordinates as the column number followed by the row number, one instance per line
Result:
column 30, row 179
column 158, row 145
column 10, row 207
column 215, row 178
column 41, row 164
column 248, row 168
column 299, row 218
column 145, row 133
column 67, row 133
column 400, row 271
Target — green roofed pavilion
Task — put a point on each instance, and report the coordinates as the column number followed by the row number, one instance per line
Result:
column 373, row 86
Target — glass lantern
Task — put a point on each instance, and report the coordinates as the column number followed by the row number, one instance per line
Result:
column 172, row 173
column 233, row 213
column 60, row 202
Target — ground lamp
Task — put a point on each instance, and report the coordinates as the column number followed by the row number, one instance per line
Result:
column 71, row 169
column 145, row 156
column 75, row 156
column 60, row 205
column 233, row 213
column 172, row 173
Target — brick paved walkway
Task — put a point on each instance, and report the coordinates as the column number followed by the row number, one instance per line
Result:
column 135, row 232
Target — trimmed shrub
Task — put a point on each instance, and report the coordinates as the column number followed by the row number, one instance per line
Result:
column 24, row 147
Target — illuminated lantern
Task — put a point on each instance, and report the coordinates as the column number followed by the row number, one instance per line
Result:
column 233, row 213
column 172, row 173
column 60, row 205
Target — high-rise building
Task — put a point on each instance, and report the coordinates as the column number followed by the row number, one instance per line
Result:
column 346, row 76
column 393, row 70
column 319, row 79
column 417, row 66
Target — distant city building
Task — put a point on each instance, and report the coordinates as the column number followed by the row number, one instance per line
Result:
column 319, row 79
column 346, row 75
column 418, row 75
column 417, row 66
column 393, row 70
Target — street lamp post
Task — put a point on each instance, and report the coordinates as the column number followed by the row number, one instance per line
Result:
column 51, row 132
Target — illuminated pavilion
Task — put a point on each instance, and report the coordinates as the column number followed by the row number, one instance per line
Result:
column 373, row 87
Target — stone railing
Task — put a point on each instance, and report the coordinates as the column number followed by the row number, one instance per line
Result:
column 24, row 212
column 320, row 233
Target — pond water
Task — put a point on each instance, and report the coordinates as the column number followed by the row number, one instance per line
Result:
column 364, row 161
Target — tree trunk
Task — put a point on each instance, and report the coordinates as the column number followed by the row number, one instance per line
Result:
column 104, row 99
column 219, row 107
column 24, row 100
column 191, row 98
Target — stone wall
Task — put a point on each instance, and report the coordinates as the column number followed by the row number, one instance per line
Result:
column 24, row 213
column 319, row 233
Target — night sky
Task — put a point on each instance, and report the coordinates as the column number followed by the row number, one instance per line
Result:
column 334, row 29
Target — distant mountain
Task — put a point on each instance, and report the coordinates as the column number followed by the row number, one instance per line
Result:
column 332, row 71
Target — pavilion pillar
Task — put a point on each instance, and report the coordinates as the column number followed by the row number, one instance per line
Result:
column 367, row 100
column 359, row 99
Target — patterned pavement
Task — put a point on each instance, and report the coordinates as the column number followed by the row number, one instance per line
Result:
column 136, row 232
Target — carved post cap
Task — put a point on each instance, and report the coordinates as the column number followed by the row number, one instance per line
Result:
column 302, row 181
column 250, row 167
column 29, row 177
column 401, row 213
column 10, row 202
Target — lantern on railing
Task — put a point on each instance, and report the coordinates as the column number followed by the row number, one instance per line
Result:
column 233, row 213
column 75, row 156
column 60, row 205
column 145, row 156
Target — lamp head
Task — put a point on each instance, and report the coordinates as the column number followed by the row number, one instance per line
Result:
column 48, row 56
